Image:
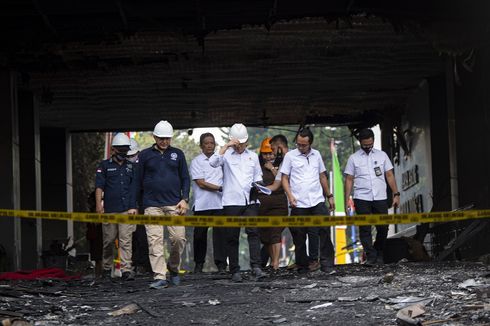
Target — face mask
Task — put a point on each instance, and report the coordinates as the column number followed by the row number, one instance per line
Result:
column 121, row 156
column 367, row 149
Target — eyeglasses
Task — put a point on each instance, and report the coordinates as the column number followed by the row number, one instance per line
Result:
column 302, row 145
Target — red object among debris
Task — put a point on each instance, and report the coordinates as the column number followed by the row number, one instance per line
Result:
column 38, row 274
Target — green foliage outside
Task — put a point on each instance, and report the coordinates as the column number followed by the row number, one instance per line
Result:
column 322, row 138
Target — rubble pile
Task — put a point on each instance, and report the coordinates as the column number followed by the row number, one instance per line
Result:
column 399, row 294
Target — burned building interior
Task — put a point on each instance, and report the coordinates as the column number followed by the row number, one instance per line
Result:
column 419, row 69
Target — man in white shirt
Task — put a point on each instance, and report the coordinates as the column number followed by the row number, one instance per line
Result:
column 279, row 144
column 207, row 187
column 306, row 185
column 367, row 169
column 241, row 168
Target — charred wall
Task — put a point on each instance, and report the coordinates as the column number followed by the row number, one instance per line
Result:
column 472, row 107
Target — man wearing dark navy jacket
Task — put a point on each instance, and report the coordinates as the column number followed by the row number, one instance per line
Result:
column 114, row 180
column 164, row 178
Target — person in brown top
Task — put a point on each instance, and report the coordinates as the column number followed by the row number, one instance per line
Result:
column 275, row 204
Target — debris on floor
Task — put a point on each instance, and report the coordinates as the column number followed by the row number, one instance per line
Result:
column 448, row 293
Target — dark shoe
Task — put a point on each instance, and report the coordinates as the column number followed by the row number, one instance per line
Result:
column 236, row 277
column 174, row 278
column 369, row 262
column 221, row 270
column 303, row 271
column 257, row 271
column 328, row 270
column 379, row 259
column 159, row 284
column 314, row 266
column 141, row 270
column 198, row 268
column 128, row 276
column 106, row 275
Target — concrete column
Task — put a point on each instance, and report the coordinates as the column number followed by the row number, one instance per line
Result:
column 69, row 185
column 441, row 197
column 54, row 182
column 451, row 127
column 386, row 127
column 472, row 120
column 30, row 179
column 10, row 228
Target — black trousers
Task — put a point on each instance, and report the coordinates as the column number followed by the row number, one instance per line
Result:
column 201, row 240
column 326, row 251
column 140, row 255
column 232, row 236
column 372, row 207
column 313, row 242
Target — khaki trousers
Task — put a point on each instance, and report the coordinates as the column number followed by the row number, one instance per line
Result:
column 155, row 235
column 109, row 233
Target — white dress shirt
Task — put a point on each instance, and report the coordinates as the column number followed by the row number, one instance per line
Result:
column 206, row 199
column 364, row 168
column 239, row 171
column 304, row 176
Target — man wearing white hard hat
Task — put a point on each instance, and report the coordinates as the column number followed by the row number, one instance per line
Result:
column 114, row 181
column 241, row 168
column 164, row 178
column 134, row 150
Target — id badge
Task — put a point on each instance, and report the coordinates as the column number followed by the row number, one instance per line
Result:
column 377, row 170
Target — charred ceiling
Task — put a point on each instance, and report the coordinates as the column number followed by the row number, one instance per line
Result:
column 124, row 65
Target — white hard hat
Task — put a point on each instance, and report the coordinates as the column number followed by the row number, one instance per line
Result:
column 120, row 140
column 163, row 129
column 134, row 147
column 239, row 131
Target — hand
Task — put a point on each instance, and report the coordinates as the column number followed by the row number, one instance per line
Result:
column 269, row 166
column 182, row 207
column 331, row 202
column 132, row 211
column 396, row 202
column 99, row 208
column 232, row 142
column 292, row 201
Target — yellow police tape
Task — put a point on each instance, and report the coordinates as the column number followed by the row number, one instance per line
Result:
column 253, row 221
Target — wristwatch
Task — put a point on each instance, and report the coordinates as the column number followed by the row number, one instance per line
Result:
column 220, row 189
column 396, row 194
column 330, row 196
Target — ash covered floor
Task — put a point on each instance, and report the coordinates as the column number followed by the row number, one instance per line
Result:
column 444, row 294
